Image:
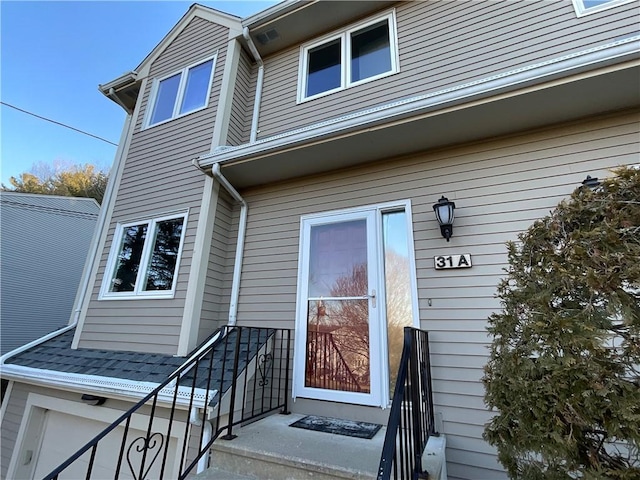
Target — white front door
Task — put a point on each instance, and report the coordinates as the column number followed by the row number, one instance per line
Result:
column 342, row 328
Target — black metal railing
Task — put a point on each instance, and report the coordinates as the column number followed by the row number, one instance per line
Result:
column 411, row 420
column 240, row 374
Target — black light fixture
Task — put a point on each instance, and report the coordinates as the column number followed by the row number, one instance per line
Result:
column 591, row 182
column 93, row 399
column 444, row 213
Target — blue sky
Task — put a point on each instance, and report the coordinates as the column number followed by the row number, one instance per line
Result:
column 53, row 56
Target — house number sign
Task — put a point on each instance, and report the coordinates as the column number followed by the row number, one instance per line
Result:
column 444, row 262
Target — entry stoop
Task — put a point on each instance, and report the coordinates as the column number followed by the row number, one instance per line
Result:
column 271, row 449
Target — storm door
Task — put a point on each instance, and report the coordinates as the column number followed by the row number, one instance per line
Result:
column 339, row 304
column 341, row 335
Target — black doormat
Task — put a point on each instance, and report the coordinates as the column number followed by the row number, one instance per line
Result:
column 338, row 426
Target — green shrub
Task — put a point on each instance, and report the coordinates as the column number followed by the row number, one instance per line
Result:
column 564, row 371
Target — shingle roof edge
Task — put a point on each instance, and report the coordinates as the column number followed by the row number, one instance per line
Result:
column 110, row 386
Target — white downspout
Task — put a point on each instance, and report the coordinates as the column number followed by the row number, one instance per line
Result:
column 259, row 82
column 242, row 228
column 195, row 419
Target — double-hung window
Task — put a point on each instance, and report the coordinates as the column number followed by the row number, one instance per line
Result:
column 144, row 258
column 358, row 54
column 181, row 93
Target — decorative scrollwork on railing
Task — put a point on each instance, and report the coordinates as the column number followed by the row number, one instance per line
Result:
column 264, row 365
column 148, row 446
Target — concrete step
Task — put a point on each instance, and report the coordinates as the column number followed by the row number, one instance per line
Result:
column 271, row 449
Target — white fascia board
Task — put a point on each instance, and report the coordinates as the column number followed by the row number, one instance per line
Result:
column 229, row 21
column 122, row 81
column 273, row 12
column 575, row 63
column 106, row 386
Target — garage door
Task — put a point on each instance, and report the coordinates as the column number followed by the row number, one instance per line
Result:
column 65, row 434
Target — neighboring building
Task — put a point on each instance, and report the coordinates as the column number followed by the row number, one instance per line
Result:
column 44, row 244
column 285, row 178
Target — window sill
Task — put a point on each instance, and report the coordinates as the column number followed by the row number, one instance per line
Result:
column 350, row 86
column 142, row 296
column 169, row 120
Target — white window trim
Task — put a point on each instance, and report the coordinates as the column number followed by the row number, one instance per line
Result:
column 139, row 294
column 581, row 11
column 345, row 41
column 153, row 95
column 383, row 394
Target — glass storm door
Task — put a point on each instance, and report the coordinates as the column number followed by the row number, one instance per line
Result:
column 356, row 293
column 339, row 310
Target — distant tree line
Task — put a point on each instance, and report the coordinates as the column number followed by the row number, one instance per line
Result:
column 64, row 180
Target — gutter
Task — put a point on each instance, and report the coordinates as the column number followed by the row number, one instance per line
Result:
column 259, row 83
column 242, row 228
column 279, row 9
column 108, row 386
column 109, row 89
column 622, row 50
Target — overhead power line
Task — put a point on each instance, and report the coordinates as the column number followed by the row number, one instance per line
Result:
column 58, row 123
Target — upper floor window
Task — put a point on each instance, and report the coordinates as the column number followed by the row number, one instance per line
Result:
column 144, row 258
column 585, row 7
column 358, row 54
column 181, row 93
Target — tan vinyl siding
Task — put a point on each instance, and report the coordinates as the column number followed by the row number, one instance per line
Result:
column 11, row 425
column 215, row 307
column 242, row 107
column 500, row 187
column 444, row 44
column 158, row 179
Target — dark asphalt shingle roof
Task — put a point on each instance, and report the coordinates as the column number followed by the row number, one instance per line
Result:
column 56, row 355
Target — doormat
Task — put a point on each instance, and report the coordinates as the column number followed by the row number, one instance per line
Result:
column 338, row 426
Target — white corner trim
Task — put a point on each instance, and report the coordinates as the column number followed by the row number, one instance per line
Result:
column 574, row 63
column 227, row 90
column 108, row 385
column 81, row 304
column 225, row 20
column 192, row 312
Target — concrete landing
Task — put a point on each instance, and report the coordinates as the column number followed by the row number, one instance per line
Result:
column 271, row 449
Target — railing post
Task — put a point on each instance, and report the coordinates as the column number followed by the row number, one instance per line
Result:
column 285, row 409
column 416, row 403
column 427, row 355
column 232, row 405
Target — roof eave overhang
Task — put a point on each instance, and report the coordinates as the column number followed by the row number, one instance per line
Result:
column 291, row 23
column 358, row 136
column 276, row 11
column 123, row 90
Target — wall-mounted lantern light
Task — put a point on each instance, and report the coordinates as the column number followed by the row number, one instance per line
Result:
column 444, row 213
column 93, row 399
column 591, row 182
